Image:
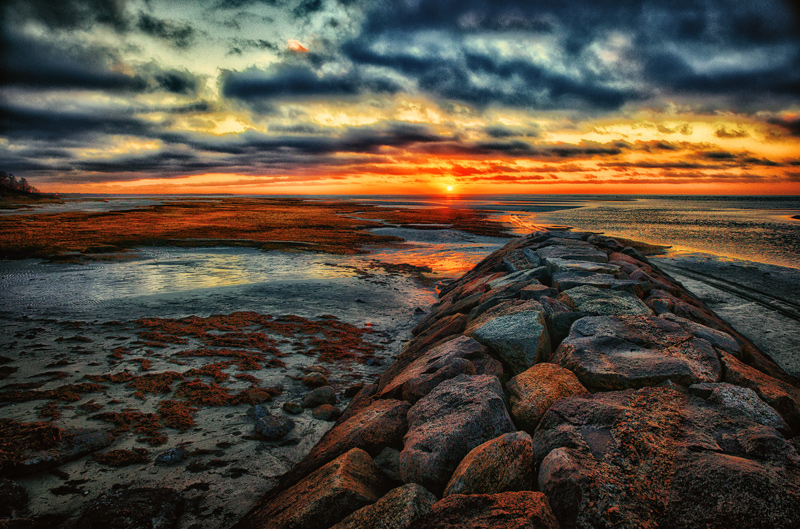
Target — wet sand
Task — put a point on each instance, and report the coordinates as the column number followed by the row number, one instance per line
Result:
column 346, row 328
column 77, row 351
column 761, row 301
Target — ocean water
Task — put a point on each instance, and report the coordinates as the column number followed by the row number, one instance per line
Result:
column 752, row 228
column 758, row 229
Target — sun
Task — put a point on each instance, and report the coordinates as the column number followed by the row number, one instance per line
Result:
column 449, row 188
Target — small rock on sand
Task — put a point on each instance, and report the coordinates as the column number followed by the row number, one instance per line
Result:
column 273, row 428
column 326, row 412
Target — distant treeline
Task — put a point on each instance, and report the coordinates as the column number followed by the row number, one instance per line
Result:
column 10, row 182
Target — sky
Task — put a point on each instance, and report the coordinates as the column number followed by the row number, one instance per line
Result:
column 404, row 96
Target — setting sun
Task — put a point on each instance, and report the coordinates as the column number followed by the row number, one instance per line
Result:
column 449, row 188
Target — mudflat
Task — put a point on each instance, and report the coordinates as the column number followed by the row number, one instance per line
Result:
column 268, row 223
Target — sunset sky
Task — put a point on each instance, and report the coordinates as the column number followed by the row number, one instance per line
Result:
column 407, row 96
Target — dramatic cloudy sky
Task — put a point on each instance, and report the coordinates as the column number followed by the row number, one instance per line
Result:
column 361, row 96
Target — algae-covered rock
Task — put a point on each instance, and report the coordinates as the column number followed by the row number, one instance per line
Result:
column 323, row 498
column 660, row 457
column 532, row 392
column 458, row 415
column 400, row 508
column 506, row 510
column 499, row 465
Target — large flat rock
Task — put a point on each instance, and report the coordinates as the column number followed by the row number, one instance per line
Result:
column 516, row 332
column 567, row 280
column 458, row 415
column 782, row 396
column 400, row 508
column 521, row 259
column 719, row 339
column 576, row 253
column 619, row 352
column 507, row 510
column 323, row 498
column 446, row 360
column 554, row 264
column 604, row 302
column 657, row 457
column 522, row 276
column 381, row 423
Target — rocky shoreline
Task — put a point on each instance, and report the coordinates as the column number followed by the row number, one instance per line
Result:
column 563, row 382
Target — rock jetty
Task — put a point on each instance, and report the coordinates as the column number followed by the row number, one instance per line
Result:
column 564, row 382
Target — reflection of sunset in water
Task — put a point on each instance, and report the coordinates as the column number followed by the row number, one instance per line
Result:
column 524, row 223
column 221, row 267
column 443, row 259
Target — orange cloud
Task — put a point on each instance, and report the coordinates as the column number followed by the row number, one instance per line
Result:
column 294, row 45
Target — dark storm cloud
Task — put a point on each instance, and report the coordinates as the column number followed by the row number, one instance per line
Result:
column 198, row 107
column 763, row 21
column 485, row 79
column 295, row 129
column 297, row 82
column 71, row 14
column 761, row 161
column 665, row 146
column 719, row 155
column 238, row 4
column 671, row 43
column 160, row 161
column 358, row 150
column 176, row 82
column 178, row 34
column 500, row 131
column 659, row 165
column 792, row 126
column 38, row 63
column 671, row 71
column 516, row 149
column 47, row 124
column 354, row 140
column 239, row 46
column 66, row 15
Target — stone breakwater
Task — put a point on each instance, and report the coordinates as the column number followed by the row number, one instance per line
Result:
column 563, row 382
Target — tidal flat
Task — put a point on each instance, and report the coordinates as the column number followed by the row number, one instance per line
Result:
column 139, row 356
